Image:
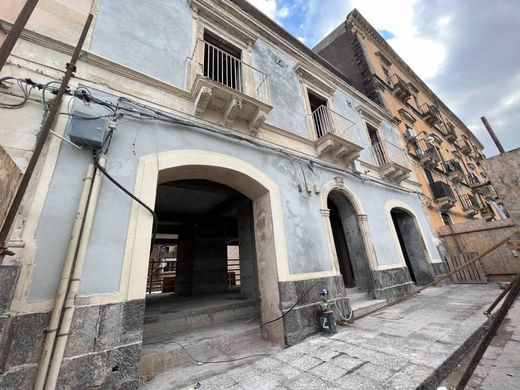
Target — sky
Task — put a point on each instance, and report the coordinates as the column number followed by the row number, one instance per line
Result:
column 467, row 51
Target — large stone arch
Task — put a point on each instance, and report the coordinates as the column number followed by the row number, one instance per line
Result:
column 413, row 241
column 268, row 224
column 337, row 185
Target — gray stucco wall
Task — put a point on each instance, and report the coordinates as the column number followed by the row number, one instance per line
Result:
column 303, row 223
column 153, row 37
column 286, row 95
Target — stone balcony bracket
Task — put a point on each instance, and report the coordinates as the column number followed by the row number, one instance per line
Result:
column 337, row 148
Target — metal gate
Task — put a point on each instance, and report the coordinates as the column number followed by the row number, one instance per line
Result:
column 473, row 273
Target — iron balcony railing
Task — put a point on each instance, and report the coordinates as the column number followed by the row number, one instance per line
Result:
column 473, row 179
column 469, row 202
column 425, row 148
column 220, row 66
column 326, row 121
column 400, row 87
column 440, row 190
column 430, row 113
column 453, row 166
column 385, row 152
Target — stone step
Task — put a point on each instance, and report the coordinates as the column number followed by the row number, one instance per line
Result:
column 167, row 321
column 228, row 341
column 364, row 307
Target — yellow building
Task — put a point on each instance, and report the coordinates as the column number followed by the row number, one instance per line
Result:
column 445, row 154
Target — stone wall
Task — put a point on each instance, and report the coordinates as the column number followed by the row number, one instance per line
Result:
column 504, row 173
column 478, row 236
column 103, row 349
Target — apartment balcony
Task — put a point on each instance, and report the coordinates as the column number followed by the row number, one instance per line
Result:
column 222, row 84
column 427, row 153
column 442, row 195
column 449, row 130
column 470, row 204
column 430, row 114
column 487, row 192
column 464, row 146
column 473, row 180
column 455, row 172
column 392, row 161
column 400, row 88
column 487, row 213
column 337, row 136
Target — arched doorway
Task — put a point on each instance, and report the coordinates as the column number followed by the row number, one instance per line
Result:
column 231, row 194
column 412, row 246
column 348, row 242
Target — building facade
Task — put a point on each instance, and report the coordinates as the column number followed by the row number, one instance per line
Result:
column 445, row 154
column 232, row 137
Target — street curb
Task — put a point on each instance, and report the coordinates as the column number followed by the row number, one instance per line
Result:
column 432, row 382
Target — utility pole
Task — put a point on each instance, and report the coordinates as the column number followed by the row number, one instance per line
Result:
column 16, row 30
column 42, row 137
column 493, row 135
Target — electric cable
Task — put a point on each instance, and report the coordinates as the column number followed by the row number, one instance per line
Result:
column 293, row 306
column 201, row 362
column 118, row 185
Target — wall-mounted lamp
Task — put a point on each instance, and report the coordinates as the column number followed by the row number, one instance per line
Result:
column 429, row 139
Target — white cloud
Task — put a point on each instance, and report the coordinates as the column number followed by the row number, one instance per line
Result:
column 268, row 7
column 272, row 9
column 425, row 56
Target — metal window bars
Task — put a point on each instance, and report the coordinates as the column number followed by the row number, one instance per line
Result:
column 469, row 202
column 224, row 68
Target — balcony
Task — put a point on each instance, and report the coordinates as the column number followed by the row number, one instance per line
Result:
column 400, row 88
column 455, row 172
column 470, row 204
column 487, row 192
column 442, row 195
column 430, row 114
column 464, row 146
column 487, row 212
column 221, row 83
column 427, row 153
column 337, row 136
column 473, row 180
column 392, row 161
column 449, row 130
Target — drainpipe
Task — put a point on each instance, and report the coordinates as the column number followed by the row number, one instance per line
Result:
column 68, row 311
column 65, row 279
column 68, row 307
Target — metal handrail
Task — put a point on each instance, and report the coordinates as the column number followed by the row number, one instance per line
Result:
column 327, row 121
column 441, row 189
column 386, row 152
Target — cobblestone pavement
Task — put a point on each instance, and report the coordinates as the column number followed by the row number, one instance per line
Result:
column 500, row 365
column 405, row 346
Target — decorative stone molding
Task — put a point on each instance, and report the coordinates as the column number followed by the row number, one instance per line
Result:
column 202, row 100
column 325, row 212
column 257, row 121
column 339, row 181
column 314, row 80
column 231, row 111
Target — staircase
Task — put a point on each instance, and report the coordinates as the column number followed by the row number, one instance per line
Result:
column 361, row 303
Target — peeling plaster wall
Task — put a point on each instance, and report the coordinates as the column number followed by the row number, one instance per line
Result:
column 153, row 37
column 303, row 223
column 286, row 93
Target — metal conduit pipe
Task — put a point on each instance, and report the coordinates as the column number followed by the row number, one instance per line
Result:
column 69, row 307
column 65, row 279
